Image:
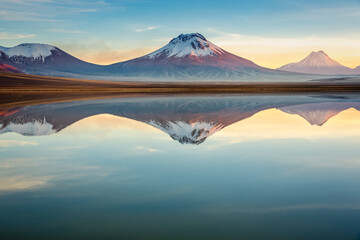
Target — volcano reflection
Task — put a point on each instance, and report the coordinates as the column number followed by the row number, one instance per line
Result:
column 188, row 120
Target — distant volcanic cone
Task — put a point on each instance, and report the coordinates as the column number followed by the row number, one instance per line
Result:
column 317, row 63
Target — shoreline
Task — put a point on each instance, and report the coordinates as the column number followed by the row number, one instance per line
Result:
column 24, row 83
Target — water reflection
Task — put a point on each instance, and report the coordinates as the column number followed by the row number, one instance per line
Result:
column 186, row 119
column 276, row 167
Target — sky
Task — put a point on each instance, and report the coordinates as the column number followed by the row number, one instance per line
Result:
column 270, row 33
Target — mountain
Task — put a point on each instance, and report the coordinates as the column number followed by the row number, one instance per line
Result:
column 189, row 55
column 317, row 63
column 357, row 70
column 319, row 113
column 7, row 68
column 43, row 59
column 185, row 57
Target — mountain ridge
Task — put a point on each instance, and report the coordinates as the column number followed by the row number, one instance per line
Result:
column 187, row 56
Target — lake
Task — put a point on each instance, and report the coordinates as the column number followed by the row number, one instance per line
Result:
column 182, row 167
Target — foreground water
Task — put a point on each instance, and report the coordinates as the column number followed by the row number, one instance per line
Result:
column 187, row 167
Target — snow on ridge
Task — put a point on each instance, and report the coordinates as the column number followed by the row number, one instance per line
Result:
column 30, row 50
column 36, row 128
column 193, row 44
column 189, row 133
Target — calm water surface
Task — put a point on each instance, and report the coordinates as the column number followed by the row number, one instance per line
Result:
column 187, row 167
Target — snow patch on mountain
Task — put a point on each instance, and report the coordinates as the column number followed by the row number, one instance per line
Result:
column 29, row 50
column 189, row 133
column 193, row 44
column 36, row 128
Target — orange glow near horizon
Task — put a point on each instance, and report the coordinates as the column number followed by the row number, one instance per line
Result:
column 265, row 59
column 270, row 59
column 109, row 56
column 275, row 124
column 268, row 124
column 266, row 52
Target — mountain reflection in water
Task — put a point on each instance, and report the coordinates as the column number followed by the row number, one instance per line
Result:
column 272, row 167
column 187, row 119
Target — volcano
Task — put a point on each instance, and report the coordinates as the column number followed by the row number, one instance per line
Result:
column 317, row 63
column 189, row 55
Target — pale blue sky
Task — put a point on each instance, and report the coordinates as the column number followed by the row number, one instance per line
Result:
column 110, row 31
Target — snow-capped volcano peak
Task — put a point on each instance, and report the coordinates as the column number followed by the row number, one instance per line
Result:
column 29, row 50
column 187, row 132
column 319, row 59
column 189, row 56
column 318, row 63
column 193, row 45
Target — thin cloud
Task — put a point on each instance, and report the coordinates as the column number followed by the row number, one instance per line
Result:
column 319, row 13
column 147, row 29
column 15, row 143
column 45, row 10
column 21, row 16
column 66, row 31
column 147, row 149
column 5, row 35
column 23, row 182
column 78, row 10
column 311, row 206
column 100, row 52
column 25, row 2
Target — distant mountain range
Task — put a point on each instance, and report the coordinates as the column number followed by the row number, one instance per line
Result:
column 187, row 120
column 319, row 63
column 188, row 56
